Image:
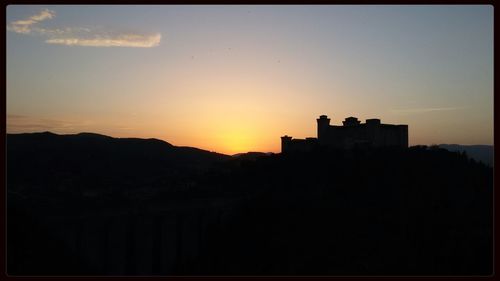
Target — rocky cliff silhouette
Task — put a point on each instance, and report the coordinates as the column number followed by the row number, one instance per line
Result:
column 105, row 206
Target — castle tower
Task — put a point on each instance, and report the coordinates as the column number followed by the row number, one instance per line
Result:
column 285, row 143
column 323, row 125
column 373, row 132
column 351, row 121
column 403, row 134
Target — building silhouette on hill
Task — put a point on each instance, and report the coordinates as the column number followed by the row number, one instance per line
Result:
column 351, row 134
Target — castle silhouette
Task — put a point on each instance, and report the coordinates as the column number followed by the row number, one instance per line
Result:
column 351, row 134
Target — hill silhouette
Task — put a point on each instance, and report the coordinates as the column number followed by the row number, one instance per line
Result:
column 483, row 153
column 88, row 159
column 144, row 207
column 252, row 155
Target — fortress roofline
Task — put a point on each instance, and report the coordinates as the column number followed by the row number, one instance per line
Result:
column 351, row 133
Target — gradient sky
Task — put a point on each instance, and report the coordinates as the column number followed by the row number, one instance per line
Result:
column 235, row 78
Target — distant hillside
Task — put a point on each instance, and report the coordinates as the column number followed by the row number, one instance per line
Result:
column 483, row 153
column 250, row 155
column 93, row 160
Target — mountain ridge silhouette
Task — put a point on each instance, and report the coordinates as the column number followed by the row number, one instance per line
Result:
column 386, row 211
column 478, row 152
column 88, row 136
column 89, row 159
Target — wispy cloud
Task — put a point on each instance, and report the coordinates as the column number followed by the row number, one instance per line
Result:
column 28, row 124
column 25, row 26
column 99, row 40
column 425, row 110
column 22, row 124
column 80, row 36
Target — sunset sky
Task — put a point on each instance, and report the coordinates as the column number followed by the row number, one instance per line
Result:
column 235, row 78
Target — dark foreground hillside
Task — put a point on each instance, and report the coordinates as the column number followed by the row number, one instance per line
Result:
column 418, row 211
column 384, row 212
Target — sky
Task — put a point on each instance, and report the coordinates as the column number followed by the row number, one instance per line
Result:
column 234, row 79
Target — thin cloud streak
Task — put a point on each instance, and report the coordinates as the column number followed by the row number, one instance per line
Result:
column 133, row 40
column 17, row 124
column 79, row 36
column 22, row 123
column 424, row 110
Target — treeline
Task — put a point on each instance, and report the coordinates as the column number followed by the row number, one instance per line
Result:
column 416, row 211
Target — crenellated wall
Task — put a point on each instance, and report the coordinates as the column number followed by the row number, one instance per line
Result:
column 352, row 133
